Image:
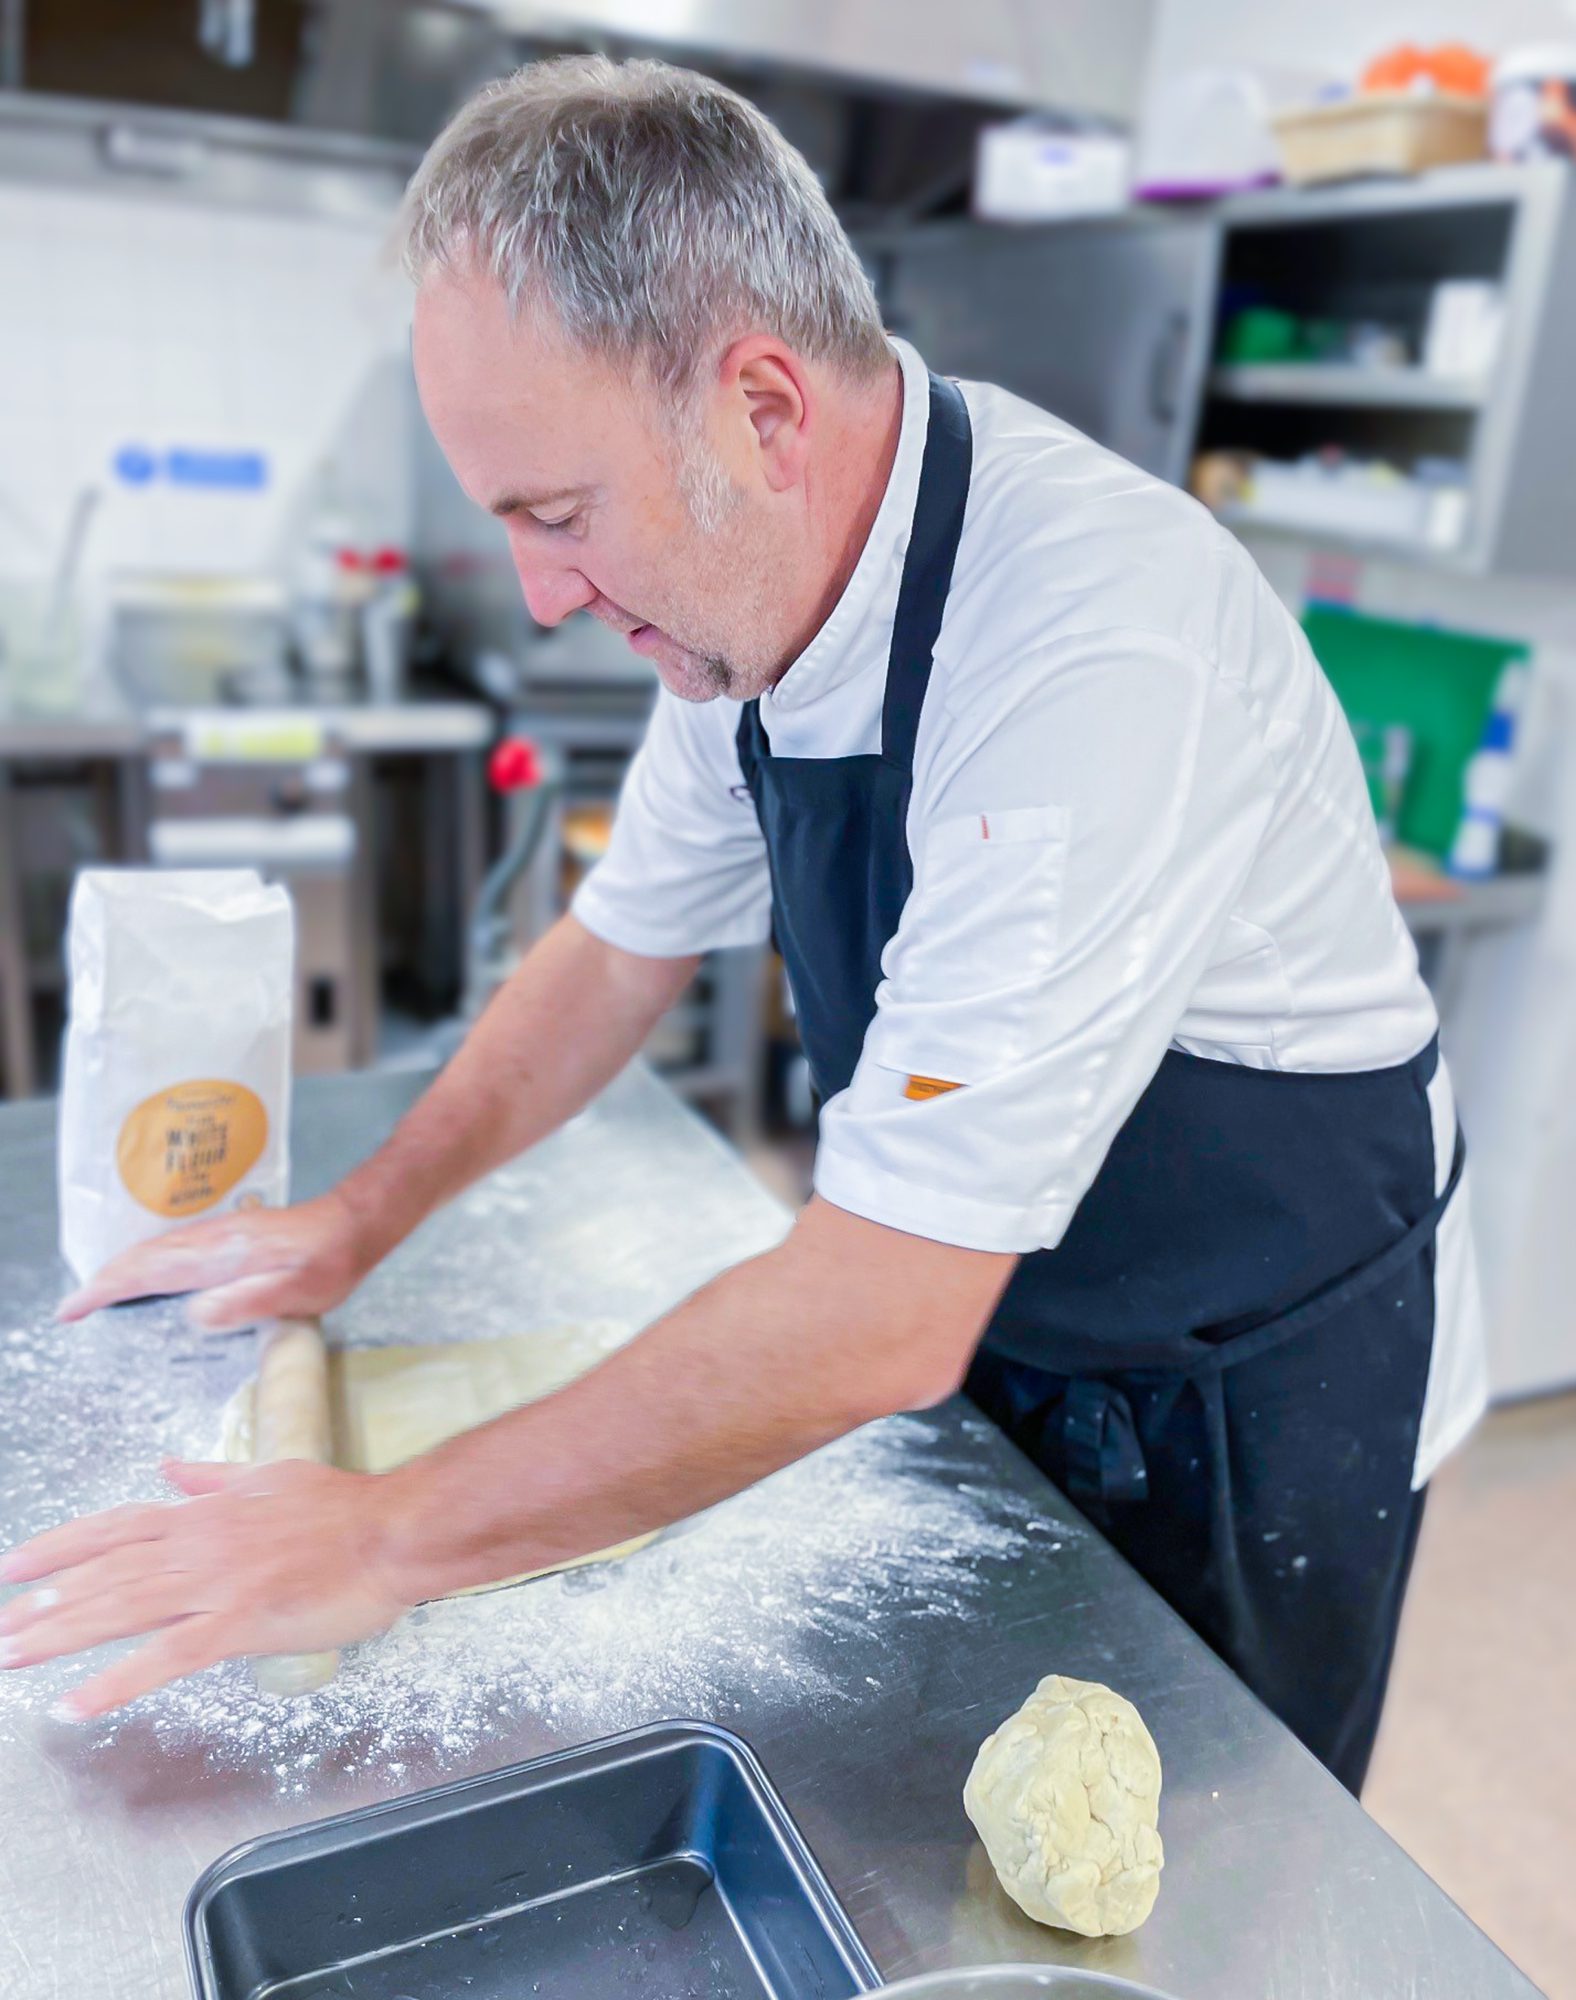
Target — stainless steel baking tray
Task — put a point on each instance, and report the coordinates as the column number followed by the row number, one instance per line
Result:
column 659, row 1862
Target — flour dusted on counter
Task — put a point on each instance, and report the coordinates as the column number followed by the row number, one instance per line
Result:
column 176, row 1094
column 806, row 1592
column 816, row 1590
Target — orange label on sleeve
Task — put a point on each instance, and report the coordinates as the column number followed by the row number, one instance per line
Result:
column 184, row 1148
column 920, row 1087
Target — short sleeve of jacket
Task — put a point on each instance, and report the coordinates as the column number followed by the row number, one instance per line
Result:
column 1079, row 855
column 685, row 870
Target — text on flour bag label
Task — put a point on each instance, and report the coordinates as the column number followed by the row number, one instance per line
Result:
column 174, row 1102
column 183, row 1149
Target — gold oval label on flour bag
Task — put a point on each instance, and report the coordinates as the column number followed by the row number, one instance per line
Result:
column 184, row 1148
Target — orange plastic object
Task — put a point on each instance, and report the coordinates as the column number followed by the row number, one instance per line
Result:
column 1453, row 66
column 1397, row 69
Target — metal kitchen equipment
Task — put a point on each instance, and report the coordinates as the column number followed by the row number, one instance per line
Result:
column 274, row 789
column 531, row 784
column 661, row 1860
column 1018, row 1982
column 197, row 639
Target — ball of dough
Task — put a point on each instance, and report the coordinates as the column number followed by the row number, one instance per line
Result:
column 1066, row 1797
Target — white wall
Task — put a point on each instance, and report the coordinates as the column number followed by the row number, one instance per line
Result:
column 1337, row 38
column 135, row 320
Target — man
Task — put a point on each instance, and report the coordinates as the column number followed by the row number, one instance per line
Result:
column 1125, row 1065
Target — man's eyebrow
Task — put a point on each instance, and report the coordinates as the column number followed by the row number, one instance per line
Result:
column 514, row 503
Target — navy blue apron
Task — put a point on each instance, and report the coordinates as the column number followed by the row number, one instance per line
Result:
column 1223, row 1361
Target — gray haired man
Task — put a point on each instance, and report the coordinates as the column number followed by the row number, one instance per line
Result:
column 1132, row 1107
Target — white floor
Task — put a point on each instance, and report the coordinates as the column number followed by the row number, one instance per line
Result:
column 1475, row 1771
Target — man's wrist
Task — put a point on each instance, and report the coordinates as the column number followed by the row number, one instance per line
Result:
column 381, row 1213
column 428, row 1544
column 402, row 1551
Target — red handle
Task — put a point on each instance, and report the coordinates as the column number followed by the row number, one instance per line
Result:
column 515, row 764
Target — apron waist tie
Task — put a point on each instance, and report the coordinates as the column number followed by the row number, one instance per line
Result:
column 1105, row 1460
column 1355, row 1284
column 1104, row 1455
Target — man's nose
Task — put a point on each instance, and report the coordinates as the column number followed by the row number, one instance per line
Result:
column 552, row 590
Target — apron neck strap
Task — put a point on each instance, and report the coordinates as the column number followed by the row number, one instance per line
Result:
column 927, row 568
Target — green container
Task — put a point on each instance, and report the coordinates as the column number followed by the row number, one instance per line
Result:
column 1437, row 685
column 1260, row 333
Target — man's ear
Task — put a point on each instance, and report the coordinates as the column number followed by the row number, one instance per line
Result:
column 767, row 389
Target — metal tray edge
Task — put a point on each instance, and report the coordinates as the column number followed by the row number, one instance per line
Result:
column 650, row 1735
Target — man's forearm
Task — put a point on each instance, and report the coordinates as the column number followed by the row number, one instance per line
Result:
column 844, row 1323
column 569, row 1018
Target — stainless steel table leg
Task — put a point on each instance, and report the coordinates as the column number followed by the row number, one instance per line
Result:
column 469, row 777
column 18, row 1058
column 133, row 811
column 454, row 861
column 363, row 918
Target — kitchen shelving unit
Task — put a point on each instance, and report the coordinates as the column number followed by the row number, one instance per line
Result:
column 1376, row 251
column 1115, row 324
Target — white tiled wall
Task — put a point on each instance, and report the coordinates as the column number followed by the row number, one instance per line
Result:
column 153, row 322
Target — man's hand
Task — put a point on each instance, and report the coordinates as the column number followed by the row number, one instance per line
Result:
column 844, row 1322
column 269, row 1263
column 280, row 1558
column 571, row 1015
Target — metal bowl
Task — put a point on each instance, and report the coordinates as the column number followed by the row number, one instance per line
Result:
column 1018, row 1982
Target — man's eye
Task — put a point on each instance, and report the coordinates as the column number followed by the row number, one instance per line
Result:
column 559, row 521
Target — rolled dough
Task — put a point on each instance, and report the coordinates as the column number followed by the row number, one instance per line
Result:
column 290, row 1420
column 390, row 1404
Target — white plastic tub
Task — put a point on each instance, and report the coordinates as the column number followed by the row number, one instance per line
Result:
column 1534, row 113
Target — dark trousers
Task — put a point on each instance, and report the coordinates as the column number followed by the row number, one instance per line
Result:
column 1274, row 1509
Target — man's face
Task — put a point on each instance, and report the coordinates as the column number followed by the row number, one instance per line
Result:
column 605, row 511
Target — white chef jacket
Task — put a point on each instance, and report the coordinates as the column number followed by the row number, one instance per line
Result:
column 1138, row 821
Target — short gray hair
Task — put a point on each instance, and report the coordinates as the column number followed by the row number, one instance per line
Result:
column 659, row 215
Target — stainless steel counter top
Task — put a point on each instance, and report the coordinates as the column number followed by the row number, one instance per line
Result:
column 1492, row 904
column 46, row 734
column 863, row 1622
column 105, row 729
column 415, row 724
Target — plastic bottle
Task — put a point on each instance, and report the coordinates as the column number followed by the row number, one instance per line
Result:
column 1474, row 854
column 388, row 622
column 330, row 586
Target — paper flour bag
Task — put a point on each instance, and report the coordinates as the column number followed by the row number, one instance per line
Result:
column 175, row 1099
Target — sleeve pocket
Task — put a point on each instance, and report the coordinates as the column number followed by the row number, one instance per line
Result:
column 976, row 945
column 963, row 833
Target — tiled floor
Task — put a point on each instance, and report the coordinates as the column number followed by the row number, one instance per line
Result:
column 1475, row 1772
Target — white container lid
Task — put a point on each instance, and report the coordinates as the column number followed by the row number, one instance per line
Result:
column 1537, row 63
